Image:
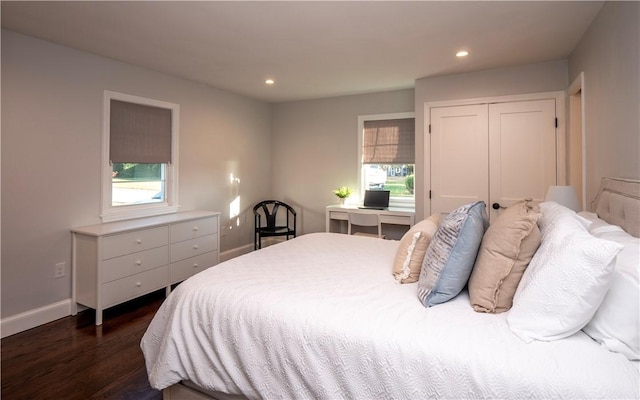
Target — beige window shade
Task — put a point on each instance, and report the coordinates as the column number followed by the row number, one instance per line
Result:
column 139, row 133
column 389, row 141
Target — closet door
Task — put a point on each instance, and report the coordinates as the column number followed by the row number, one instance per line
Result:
column 522, row 151
column 459, row 156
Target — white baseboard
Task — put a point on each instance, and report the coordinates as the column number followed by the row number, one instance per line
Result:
column 40, row 316
column 238, row 251
column 32, row 318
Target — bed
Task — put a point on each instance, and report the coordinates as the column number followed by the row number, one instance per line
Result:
column 321, row 317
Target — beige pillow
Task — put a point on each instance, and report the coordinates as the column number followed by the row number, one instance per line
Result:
column 506, row 250
column 413, row 246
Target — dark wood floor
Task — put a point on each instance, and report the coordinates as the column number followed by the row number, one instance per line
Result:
column 73, row 359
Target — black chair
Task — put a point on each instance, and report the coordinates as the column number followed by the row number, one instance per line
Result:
column 267, row 223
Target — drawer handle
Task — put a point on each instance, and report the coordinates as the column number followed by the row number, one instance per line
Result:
column 195, row 229
column 195, row 265
column 138, row 262
column 138, row 284
column 195, row 247
column 139, row 241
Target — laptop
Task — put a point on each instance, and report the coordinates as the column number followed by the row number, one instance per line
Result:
column 376, row 199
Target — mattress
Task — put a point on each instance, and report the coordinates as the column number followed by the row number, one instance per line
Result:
column 321, row 317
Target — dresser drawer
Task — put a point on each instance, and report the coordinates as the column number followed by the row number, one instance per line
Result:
column 130, row 264
column 193, row 229
column 127, row 243
column 121, row 290
column 183, row 269
column 193, row 247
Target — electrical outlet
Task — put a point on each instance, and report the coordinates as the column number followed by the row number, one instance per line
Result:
column 59, row 271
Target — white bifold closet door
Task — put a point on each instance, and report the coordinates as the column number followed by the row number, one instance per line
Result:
column 459, row 156
column 499, row 153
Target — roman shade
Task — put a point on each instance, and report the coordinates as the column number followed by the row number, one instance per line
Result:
column 139, row 133
column 389, row 141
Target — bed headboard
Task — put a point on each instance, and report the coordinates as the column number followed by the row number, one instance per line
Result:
column 618, row 203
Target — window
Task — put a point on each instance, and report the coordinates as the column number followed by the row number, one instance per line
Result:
column 387, row 155
column 139, row 160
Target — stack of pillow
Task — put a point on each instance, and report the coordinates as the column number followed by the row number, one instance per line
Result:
column 550, row 267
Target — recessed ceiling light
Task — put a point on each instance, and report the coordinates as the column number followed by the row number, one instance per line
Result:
column 269, row 82
column 462, row 53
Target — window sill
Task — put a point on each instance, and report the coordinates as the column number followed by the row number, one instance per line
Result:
column 409, row 203
column 137, row 212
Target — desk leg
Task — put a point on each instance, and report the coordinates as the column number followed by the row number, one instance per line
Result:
column 327, row 223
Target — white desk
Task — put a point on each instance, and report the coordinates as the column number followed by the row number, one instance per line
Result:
column 335, row 214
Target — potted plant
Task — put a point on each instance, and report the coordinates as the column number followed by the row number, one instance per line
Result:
column 343, row 193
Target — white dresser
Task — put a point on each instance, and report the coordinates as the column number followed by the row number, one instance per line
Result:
column 118, row 261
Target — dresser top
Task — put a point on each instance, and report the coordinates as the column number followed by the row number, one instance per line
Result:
column 140, row 223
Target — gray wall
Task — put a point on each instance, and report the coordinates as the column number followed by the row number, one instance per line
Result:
column 608, row 54
column 51, row 149
column 533, row 78
column 315, row 148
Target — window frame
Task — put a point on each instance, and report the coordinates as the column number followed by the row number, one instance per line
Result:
column 170, row 203
column 408, row 202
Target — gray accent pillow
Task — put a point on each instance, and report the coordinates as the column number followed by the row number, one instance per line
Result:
column 451, row 254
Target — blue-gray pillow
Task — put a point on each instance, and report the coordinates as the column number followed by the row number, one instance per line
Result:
column 451, row 254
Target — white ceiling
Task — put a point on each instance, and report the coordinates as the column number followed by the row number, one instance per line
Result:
column 311, row 49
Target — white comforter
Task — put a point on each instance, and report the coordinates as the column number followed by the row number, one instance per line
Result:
column 320, row 317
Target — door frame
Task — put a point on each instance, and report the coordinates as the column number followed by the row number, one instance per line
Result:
column 577, row 130
column 561, row 139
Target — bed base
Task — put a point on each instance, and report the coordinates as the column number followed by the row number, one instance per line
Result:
column 182, row 391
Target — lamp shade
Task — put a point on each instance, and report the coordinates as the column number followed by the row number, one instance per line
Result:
column 564, row 195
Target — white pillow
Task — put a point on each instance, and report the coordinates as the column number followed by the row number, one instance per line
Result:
column 596, row 225
column 566, row 280
column 616, row 324
column 551, row 211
